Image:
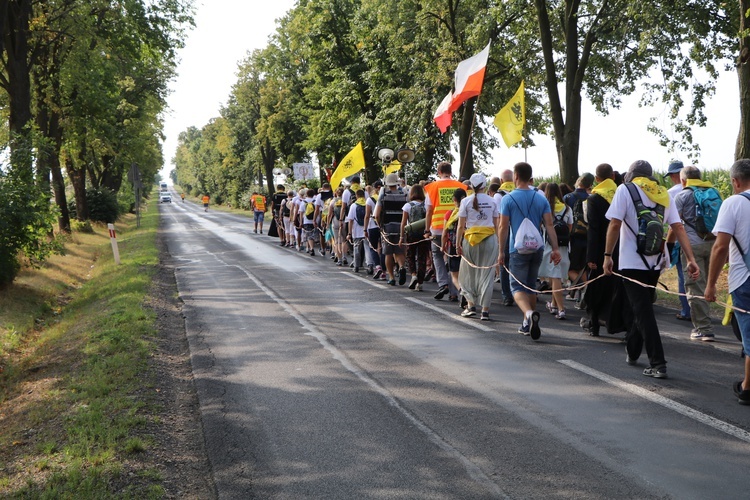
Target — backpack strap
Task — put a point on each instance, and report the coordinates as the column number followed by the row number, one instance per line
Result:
column 639, row 207
column 736, row 242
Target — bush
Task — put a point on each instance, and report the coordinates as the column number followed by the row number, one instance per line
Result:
column 102, row 203
column 26, row 221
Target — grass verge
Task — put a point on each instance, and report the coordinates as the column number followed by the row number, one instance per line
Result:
column 75, row 338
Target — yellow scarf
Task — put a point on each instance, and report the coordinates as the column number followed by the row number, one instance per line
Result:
column 475, row 235
column 507, row 186
column 452, row 219
column 374, row 196
column 559, row 206
column 606, row 189
column 354, row 187
column 698, row 183
column 361, row 202
column 656, row 193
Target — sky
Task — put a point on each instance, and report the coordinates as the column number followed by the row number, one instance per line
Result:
column 227, row 30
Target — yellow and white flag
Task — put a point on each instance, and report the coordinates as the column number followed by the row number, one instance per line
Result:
column 353, row 162
column 393, row 167
column 512, row 118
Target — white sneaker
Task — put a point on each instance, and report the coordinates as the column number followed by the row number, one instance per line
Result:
column 560, row 315
column 551, row 308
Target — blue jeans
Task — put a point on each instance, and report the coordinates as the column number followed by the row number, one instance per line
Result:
column 741, row 299
column 525, row 268
column 681, row 288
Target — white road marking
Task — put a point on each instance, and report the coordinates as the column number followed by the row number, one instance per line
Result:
column 474, row 471
column 680, row 408
column 468, row 322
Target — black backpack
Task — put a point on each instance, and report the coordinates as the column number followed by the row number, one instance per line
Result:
column 580, row 226
column 650, row 235
column 561, row 229
column 359, row 214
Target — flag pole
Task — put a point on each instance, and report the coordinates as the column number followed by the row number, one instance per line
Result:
column 471, row 131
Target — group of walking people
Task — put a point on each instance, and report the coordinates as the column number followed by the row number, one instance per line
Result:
column 609, row 239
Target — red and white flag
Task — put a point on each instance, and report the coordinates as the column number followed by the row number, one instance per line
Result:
column 443, row 116
column 467, row 83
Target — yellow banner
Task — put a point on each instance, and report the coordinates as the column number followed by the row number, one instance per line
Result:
column 394, row 167
column 352, row 163
column 512, row 118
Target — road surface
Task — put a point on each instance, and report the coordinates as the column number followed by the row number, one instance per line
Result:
column 315, row 382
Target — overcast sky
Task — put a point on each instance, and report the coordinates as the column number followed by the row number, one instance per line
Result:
column 226, row 30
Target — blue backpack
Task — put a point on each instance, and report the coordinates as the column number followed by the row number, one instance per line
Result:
column 707, row 205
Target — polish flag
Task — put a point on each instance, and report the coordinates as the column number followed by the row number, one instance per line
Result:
column 443, row 116
column 469, row 78
column 467, row 83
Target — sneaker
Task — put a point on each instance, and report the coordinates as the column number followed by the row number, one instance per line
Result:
column 334, row 258
column 378, row 273
column 534, row 330
column 706, row 337
column 338, row 263
column 383, row 277
column 469, row 312
column 352, row 265
column 312, row 253
column 508, row 302
column 370, row 268
column 413, row 283
column 551, row 308
column 356, row 269
column 661, row 372
column 345, row 262
column 391, row 282
column 419, row 287
column 524, row 328
column 743, row 398
column 402, row 276
column 629, row 360
column 261, row 232
column 430, row 274
column 442, row 292
column 464, row 303
column 737, row 388
column 485, row 316
column 560, row 315
column 452, row 298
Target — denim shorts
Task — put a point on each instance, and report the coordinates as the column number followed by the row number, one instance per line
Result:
column 741, row 299
column 258, row 216
column 524, row 268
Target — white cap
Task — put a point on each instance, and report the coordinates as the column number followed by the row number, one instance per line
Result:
column 391, row 180
column 477, row 180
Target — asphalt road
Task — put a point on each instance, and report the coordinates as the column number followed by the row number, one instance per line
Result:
column 315, row 382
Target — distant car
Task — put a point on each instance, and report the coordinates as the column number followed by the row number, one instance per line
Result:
column 165, row 197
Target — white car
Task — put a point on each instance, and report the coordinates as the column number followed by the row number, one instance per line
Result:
column 165, row 197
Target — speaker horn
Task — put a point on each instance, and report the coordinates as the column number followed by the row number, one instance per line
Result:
column 286, row 171
column 276, row 171
column 405, row 155
column 385, row 155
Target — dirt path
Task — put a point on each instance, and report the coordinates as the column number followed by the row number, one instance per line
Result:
column 179, row 451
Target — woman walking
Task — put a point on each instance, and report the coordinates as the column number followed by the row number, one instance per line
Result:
column 419, row 248
column 478, row 237
column 562, row 222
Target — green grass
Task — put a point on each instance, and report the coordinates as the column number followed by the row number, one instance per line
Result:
column 86, row 359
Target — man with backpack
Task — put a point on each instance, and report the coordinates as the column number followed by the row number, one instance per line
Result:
column 578, row 236
column 698, row 206
column 638, row 212
column 673, row 174
column 278, row 198
column 522, row 212
column 388, row 214
column 356, row 233
column 733, row 240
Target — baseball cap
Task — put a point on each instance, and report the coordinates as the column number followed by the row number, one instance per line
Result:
column 477, row 180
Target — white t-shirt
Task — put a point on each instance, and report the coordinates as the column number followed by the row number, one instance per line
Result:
column 357, row 230
column 733, row 218
column 486, row 214
column 303, row 209
column 498, row 197
column 372, row 204
column 674, row 190
column 622, row 208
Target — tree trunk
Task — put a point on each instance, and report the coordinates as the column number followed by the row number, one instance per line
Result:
column 465, row 144
column 742, row 149
column 15, row 50
column 77, row 178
